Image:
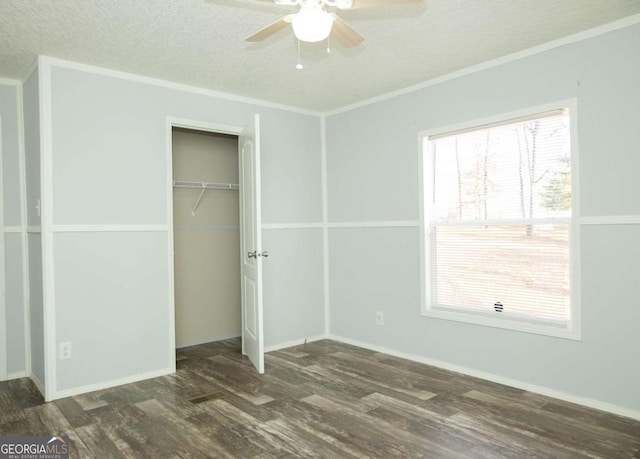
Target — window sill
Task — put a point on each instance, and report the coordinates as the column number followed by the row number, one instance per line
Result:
column 505, row 322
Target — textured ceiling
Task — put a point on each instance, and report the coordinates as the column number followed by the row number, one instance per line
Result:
column 201, row 42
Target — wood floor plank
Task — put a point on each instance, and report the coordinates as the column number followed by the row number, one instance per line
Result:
column 321, row 443
column 398, row 380
column 349, row 436
column 537, row 424
column 174, row 435
column 323, row 399
column 246, row 385
column 405, row 444
column 250, row 428
column 90, row 401
column 13, row 428
column 588, row 416
column 11, row 410
column 214, row 425
column 97, row 441
column 73, row 412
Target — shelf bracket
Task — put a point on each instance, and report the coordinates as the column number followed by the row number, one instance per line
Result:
column 195, row 207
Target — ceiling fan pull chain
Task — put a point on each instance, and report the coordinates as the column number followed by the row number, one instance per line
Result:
column 299, row 64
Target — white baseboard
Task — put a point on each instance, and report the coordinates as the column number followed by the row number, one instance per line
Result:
column 588, row 402
column 296, row 342
column 16, row 375
column 153, row 374
column 211, row 340
column 112, row 383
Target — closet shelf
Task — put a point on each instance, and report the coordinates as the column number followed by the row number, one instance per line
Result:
column 204, row 186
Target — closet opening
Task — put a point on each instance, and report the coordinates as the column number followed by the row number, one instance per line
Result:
column 206, row 237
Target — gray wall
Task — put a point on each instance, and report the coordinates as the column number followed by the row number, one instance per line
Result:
column 373, row 176
column 31, row 109
column 3, row 317
column 14, row 296
column 110, row 168
column 10, row 155
column 14, row 282
column 13, row 326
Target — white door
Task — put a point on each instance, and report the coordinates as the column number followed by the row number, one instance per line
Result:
column 251, row 245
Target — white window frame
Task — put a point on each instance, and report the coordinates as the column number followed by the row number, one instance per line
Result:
column 570, row 330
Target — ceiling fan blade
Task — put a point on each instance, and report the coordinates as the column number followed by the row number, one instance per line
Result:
column 271, row 29
column 359, row 4
column 283, row 2
column 344, row 33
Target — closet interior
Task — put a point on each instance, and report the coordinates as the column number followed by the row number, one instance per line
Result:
column 206, row 236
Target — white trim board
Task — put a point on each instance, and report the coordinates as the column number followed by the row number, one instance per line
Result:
column 326, row 287
column 378, row 224
column 48, row 266
column 108, row 384
column 294, row 343
column 611, row 220
column 3, row 299
column 13, row 229
column 23, row 221
column 276, row 226
column 577, row 37
column 198, row 125
column 171, row 338
column 548, row 392
column 176, row 86
column 107, row 228
column 16, row 375
column 603, row 220
column 206, row 228
column 9, row 82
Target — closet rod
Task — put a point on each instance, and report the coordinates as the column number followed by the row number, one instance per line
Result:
column 204, row 186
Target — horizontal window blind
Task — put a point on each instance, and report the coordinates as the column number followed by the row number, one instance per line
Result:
column 513, row 171
column 498, row 209
column 523, row 268
column 513, row 121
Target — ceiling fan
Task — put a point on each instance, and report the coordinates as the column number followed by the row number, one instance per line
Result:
column 313, row 23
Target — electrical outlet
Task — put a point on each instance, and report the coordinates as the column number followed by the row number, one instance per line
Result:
column 65, row 350
column 379, row 318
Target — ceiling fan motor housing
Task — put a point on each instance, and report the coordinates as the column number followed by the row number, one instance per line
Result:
column 312, row 23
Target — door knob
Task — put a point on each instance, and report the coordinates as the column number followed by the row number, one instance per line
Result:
column 264, row 254
column 253, row 254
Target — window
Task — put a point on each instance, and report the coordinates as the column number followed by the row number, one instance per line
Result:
column 497, row 223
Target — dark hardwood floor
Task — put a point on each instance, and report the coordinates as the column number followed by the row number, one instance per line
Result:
column 323, row 399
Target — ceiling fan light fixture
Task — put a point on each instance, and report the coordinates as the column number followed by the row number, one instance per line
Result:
column 312, row 24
